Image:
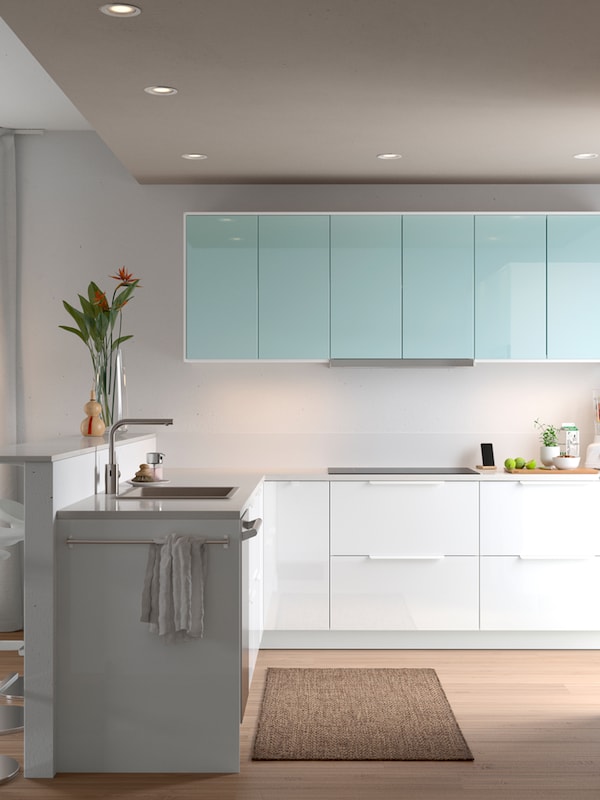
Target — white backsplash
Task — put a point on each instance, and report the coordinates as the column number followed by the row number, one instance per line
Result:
column 306, row 415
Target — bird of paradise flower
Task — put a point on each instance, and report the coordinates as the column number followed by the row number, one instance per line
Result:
column 96, row 324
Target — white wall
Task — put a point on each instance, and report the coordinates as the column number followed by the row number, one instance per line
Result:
column 82, row 217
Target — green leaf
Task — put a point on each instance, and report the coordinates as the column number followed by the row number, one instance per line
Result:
column 120, row 299
column 121, row 339
column 75, row 331
column 78, row 317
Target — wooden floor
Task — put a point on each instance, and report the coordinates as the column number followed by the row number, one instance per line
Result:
column 531, row 718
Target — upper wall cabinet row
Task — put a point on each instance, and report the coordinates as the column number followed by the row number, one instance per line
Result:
column 388, row 286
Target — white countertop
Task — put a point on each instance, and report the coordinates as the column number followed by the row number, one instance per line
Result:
column 321, row 474
column 65, row 447
column 119, row 507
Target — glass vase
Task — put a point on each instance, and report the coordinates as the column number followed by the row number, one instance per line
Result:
column 111, row 388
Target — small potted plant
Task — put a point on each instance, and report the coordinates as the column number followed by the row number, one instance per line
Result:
column 549, row 441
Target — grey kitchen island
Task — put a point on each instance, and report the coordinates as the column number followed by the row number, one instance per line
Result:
column 102, row 693
column 151, row 703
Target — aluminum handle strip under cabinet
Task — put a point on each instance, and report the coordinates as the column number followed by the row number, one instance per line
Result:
column 427, row 557
column 406, row 483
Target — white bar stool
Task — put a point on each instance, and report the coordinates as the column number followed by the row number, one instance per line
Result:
column 12, row 531
column 11, row 717
column 12, row 514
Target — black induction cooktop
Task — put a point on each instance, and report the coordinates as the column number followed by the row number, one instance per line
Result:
column 401, row 471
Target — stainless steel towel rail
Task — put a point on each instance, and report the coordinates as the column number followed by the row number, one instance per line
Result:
column 70, row 542
column 250, row 529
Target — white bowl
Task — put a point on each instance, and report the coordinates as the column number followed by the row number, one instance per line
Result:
column 566, row 462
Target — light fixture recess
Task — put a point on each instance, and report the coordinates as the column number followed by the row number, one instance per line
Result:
column 388, row 156
column 194, row 156
column 160, row 91
column 585, row 156
column 122, row 10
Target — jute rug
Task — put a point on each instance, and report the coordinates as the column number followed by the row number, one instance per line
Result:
column 357, row 715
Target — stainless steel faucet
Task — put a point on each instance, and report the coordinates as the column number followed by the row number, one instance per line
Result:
column 111, row 477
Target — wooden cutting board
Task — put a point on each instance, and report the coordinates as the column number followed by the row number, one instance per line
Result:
column 553, row 471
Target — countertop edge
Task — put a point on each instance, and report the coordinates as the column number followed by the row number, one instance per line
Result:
column 59, row 449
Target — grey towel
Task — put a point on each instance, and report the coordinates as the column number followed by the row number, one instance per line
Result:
column 173, row 593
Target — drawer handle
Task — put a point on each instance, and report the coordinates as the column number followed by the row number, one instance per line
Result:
column 565, row 557
column 418, row 557
column 406, row 483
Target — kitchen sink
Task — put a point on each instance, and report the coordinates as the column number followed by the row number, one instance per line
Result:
column 150, row 491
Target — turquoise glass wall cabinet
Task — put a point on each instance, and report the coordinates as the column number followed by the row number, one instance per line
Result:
column 221, row 282
column 366, row 286
column 510, row 286
column 438, row 282
column 573, row 286
column 293, row 287
column 391, row 286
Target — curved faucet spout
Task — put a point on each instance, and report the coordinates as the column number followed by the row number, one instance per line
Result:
column 111, row 477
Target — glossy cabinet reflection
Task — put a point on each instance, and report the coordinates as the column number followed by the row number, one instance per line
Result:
column 366, row 286
column 438, row 282
column 573, row 286
column 510, row 287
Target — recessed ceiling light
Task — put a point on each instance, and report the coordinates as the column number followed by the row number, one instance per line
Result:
column 120, row 10
column 585, row 156
column 162, row 91
column 194, row 156
column 389, row 156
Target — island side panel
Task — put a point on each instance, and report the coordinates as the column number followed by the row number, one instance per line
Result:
column 146, row 705
column 47, row 486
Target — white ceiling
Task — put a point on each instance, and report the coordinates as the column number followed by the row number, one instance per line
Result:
column 310, row 91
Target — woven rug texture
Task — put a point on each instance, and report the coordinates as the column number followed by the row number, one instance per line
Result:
column 354, row 714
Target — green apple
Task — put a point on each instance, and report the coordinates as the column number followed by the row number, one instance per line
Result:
column 519, row 463
column 531, row 464
column 510, row 463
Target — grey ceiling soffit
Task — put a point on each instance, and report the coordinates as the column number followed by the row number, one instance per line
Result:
column 402, row 362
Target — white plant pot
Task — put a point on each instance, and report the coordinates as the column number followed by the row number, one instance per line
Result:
column 547, row 454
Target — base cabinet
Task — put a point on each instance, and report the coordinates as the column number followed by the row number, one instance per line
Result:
column 404, row 594
column 540, row 544
column 548, row 517
column 427, row 555
column 145, row 704
column 404, row 518
column 296, row 561
column 540, row 594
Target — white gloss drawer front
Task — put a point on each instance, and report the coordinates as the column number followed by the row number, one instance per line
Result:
column 410, row 594
column 540, row 593
column 404, row 518
column 529, row 518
